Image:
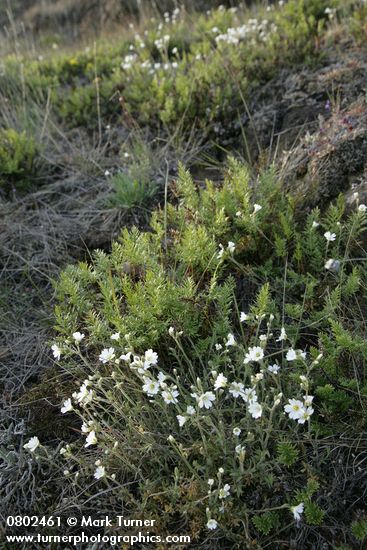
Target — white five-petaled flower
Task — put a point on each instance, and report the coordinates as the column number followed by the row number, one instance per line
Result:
column 56, row 351
column 294, row 409
column 306, row 415
column 170, row 395
column 230, row 340
column 150, row 358
column 231, row 247
column 150, row 386
column 315, row 224
column 362, row 208
column 190, row 410
column 126, row 357
column 221, row 252
column 106, row 355
column 224, row 491
column 205, row 400
column 273, row 368
column 100, row 472
column 161, row 378
column 283, row 335
column 236, row 389
column 243, row 317
column 32, row 444
column 91, row 439
column 332, row 265
column 218, row 347
column 255, row 353
column 181, row 419
column 249, row 395
column 308, row 400
column 115, row 336
column 297, row 511
column 255, row 409
column 84, row 395
column 78, row 337
column 257, row 208
column 236, row 431
column 212, row 524
column 86, row 428
column 291, row 355
column 67, row 406
column 330, row 236
column 220, row 381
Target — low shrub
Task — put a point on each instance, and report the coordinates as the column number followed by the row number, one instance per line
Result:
column 221, row 357
column 18, row 159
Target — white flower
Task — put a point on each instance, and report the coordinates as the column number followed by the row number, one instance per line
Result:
column 221, row 252
column 255, row 409
column 224, row 491
column 231, row 247
column 297, row 511
column 107, row 355
column 362, row 208
column 263, row 337
column 255, row 353
column 273, row 368
column 32, row 444
column 115, row 336
column 236, row 431
column 126, row 357
column 220, row 382
column 107, row 173
column 181, row 419
column 150, row 358
column 78, row 337
column 306, row 415
column 150, row 386
column 212, row 524
column 332, row 265
column 308, row 400
column 84, row 395
column 294, row 409
column 236, row 389
column 210, row 482
column 87, row 427
column 315, row 224
column 67, row 406
column 56, row 351
column 249, row 395
column 171, row 331
column 218, row 347
column 330, row 236
column 100, row 472
column 190, row 410
column 230, row 340
column 283, row 335
column 291, row 355
column 91, row 439
column 170, row 395
column 206, row 400
column 161, row 378
column 240, row 449
column 257, row 208
column 243, row 317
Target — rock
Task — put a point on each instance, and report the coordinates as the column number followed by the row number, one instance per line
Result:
column 331, row 161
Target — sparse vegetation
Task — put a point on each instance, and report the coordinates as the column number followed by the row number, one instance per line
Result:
column 184, row 274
